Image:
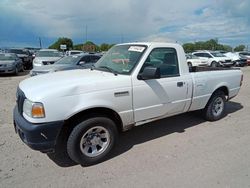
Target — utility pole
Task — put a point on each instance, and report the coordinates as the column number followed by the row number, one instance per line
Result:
column 86, row 33
column 40, row 42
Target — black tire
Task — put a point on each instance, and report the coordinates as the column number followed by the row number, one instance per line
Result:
column 214, row 64
column 215, row 108
column 85, row 131
column 16, row 71
column 189, row 64
column 21, row 69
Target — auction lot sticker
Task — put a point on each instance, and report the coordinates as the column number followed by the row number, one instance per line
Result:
column 136, row 48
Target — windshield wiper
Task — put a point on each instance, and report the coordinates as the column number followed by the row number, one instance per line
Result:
column 109, row 69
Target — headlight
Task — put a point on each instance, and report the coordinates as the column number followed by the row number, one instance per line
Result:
column 37, row 62
column 33, row 109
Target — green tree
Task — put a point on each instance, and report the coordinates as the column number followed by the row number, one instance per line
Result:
column 65, row 41
column 211, row 44
column 104, row 47
column 89, row 46
column 77, row 47
column 189, row 47
column 239, row 48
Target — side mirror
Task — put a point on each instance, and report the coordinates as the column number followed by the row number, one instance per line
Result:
column 81, row 62
column 149, row 73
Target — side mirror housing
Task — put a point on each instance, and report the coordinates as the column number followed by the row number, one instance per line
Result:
column 81, row 63
column 149, row 73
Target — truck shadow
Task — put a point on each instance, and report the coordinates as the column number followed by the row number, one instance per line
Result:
column 24, row 73
column 149, row 131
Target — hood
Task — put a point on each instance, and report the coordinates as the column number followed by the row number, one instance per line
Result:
column 70, row 83
column 50, row 68
column 22, row 55
column 6, row 61
column 47, row 58
column 233, row 56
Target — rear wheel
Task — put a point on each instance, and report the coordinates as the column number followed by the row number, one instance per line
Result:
column 92, row 140
column 215, row 107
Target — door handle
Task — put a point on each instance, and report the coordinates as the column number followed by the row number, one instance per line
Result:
column 180, row 84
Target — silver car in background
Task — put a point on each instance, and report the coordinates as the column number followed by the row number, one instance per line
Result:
column 10, row 63
column 46, row 57
column 79, row 61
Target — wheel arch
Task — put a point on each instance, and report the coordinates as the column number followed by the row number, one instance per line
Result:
column 96, row 111
column 224, row 89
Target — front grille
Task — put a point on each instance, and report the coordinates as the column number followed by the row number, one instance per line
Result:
column 20, row 97
column 48, row 62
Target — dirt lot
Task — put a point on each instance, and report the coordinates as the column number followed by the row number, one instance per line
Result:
column 182, row 151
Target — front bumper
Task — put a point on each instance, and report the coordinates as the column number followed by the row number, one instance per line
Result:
column 7, row 69
column 227, row 64
column 41, row 137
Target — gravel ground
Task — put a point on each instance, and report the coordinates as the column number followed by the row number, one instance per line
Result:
column 181, row 151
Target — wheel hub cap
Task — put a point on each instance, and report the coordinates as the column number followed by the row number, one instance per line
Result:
column 95, row 141
column 218, row 106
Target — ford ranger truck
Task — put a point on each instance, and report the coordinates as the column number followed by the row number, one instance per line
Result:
column 132, row 84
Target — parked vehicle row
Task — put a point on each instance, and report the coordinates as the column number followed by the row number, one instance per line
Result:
column 23, row 54
column 214, row 59
column 218, row 58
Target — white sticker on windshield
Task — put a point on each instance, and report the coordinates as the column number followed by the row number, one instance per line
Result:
column 136, row 48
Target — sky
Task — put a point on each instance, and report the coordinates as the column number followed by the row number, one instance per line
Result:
column 22, row 22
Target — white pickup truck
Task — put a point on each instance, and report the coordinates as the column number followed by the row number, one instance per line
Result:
column 132, row 84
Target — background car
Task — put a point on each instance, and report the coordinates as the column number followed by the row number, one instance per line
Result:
column 79, row 61
column 245, row 54
column 73, row 52
column 23, row 54
column 10, row 63
column 238, row 60
column 214, row 58
column 46, row 57
column 194, row 61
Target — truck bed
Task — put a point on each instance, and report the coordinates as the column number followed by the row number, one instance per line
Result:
column 205, row 68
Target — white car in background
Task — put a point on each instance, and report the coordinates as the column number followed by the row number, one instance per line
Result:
column 194, row 61
column 238, row 60
column 214, row 58
column 46, row 57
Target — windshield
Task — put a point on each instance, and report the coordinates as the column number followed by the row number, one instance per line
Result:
column 68, row 60
column 121, row 59
column 6, row 57
column 190, row 56
column 48, row 54
column 18, row 51
column 217, row 54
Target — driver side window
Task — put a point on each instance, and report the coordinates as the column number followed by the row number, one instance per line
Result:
column 165, row 59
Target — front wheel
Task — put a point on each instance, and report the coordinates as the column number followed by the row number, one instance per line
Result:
column 214, row 64
column 92, row 140
column 16, row 71
column 189, row 65
column 215, row 107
